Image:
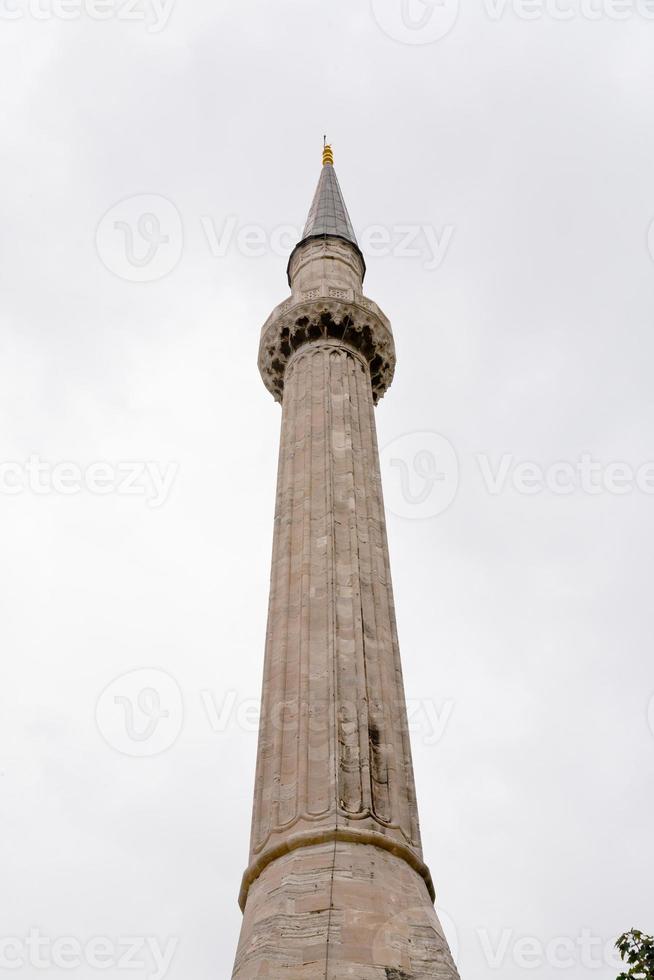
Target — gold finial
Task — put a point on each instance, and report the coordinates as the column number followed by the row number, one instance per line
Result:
column 327, row 154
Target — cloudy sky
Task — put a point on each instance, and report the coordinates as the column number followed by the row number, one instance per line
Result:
column 157, row 161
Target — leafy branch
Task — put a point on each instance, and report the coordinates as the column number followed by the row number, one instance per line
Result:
column 637, row 951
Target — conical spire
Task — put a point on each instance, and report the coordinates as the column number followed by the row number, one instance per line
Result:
column 328, row 214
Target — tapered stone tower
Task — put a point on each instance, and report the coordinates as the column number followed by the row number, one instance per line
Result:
column 336, row 885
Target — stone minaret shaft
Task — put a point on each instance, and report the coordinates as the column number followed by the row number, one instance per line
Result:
column 336, row 885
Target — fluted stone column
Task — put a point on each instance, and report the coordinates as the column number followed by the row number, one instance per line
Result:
column 336, row 886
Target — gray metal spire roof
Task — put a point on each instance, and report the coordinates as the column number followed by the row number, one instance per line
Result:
column 328, row 214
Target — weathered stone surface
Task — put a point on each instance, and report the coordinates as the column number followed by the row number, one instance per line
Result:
column 337, row 911
column 334, row 737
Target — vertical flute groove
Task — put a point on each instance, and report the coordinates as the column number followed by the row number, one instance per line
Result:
column 331, row 620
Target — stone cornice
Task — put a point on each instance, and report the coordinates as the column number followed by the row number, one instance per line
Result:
column 327, row 313
column 347, row 835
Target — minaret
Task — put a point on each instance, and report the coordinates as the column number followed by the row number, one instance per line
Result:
column 336, row 885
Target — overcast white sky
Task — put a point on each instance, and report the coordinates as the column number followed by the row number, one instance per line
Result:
column 524, row 148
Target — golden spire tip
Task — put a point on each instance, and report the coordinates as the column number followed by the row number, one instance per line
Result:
column 327, row 153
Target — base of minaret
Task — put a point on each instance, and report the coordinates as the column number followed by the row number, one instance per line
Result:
column 341, row 911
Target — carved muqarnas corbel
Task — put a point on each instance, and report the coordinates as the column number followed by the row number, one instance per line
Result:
column 357, row 323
